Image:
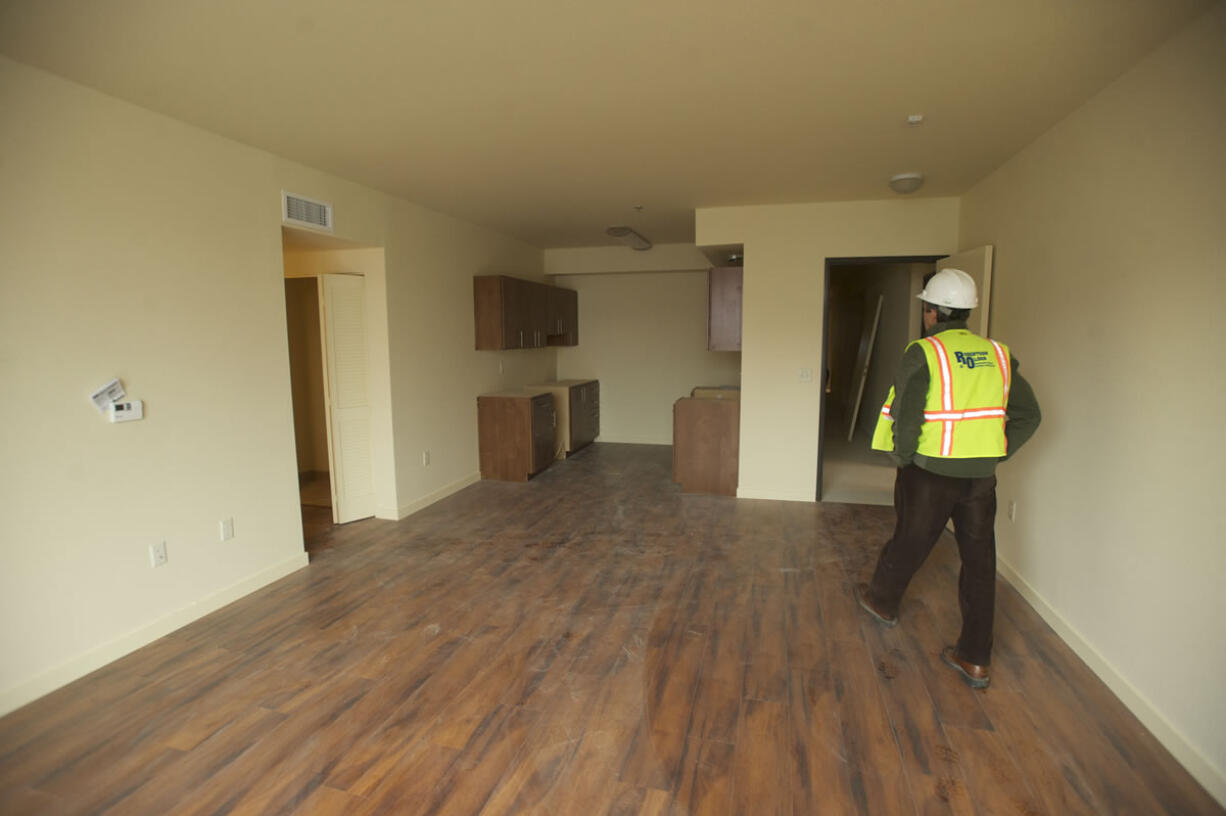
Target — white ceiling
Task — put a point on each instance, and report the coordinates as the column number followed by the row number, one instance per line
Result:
column 551, row 119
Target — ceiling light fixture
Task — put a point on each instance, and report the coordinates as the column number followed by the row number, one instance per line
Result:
column 629, row 237
column 906, row 182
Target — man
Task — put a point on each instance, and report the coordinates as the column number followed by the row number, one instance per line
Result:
column 957, row 407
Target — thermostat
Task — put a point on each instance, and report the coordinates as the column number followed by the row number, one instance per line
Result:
column 127, row 411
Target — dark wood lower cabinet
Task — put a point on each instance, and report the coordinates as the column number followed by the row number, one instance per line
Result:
column 706, row 445
column 577, row 403
column 584, row 414
column 515, row 434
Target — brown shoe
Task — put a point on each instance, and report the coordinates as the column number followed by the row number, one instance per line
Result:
column 975, row 676
column 861, row 593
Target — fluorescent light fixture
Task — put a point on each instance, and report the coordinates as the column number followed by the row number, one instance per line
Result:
column 907, row 182
column 629, row 237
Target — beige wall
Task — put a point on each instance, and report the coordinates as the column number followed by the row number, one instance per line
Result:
column 1109, row 284
column 786, row 247
column 644, row 336
column 306, row 374
column 602, row 260
column 436, row 371
column 135, row 246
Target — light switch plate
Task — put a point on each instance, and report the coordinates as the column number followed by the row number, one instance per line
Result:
column 157, row 554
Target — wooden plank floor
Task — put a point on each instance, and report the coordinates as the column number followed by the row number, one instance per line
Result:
column 591, row 642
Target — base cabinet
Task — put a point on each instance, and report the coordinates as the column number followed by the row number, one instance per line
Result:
column 706, row 445
column 515, row 434
column 577, row 403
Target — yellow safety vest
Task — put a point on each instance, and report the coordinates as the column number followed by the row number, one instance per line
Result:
column 968, row 392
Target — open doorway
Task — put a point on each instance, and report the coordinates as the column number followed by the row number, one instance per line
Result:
column 310, row 422
column 325, row 302
column 871, row 315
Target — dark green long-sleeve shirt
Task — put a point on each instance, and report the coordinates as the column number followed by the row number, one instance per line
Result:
column 911, row 394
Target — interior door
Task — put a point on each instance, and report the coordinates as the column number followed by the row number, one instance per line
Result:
column 864, row 358
column 342, row 318
column 978, row 264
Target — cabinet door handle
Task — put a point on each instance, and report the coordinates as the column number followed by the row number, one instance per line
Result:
column 521, row 338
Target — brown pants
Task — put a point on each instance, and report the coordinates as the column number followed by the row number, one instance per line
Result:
column 924, row 502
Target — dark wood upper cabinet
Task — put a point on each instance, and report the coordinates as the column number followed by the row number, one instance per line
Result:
column 563, row 317
column 511, row 313
column 537, row 327
column 498, row 312
column 724, row 304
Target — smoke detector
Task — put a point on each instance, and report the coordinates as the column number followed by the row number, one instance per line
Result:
column 629, row 237
column 906, row 182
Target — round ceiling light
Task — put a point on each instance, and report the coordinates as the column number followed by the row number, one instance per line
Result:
column 906, row 182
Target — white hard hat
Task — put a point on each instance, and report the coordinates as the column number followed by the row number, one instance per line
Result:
column 951, row 288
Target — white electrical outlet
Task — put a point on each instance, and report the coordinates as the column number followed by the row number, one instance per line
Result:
column 805, row 375
column 425, row 458
column 1012, row 509
column 227, row 529
column 157, row 554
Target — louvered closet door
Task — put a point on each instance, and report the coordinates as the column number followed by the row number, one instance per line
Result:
column 343, row 323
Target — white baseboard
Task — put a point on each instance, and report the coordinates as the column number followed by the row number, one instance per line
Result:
column 774, row 494
column 1204, row 771
column 83, row 664
column 438, row 495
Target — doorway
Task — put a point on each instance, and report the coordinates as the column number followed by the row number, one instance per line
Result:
column 871, row 315
column 310, row 422
column 325, row 301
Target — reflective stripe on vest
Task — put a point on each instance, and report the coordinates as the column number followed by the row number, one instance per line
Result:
column 946, row 387
column 1006, row 375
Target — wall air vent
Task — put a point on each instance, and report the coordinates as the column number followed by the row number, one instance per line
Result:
column 304, row 212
